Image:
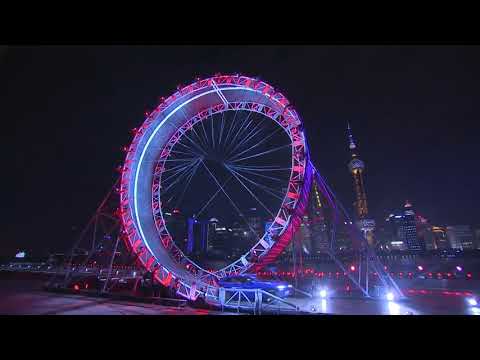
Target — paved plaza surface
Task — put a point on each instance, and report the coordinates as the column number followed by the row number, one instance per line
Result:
column 26, row 297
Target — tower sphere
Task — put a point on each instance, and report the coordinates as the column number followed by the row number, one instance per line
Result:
column 356, row 164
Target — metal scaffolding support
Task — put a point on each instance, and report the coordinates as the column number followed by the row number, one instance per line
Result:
column 102, row 236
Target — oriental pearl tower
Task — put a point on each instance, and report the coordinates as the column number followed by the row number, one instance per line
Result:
column 357, row 168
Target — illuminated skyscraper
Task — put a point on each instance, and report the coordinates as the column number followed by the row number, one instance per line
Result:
column 408, row 229
column 357, row 167
column 319, row 230
column 396, row 234
column 197, row 241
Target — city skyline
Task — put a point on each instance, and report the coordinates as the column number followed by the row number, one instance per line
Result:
column 416, row 233
column 74, row 108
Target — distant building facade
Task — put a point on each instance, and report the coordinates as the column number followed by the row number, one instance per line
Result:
column 477, row 237
column 439, row 236
column 318, row 227
column 176, row 224
column 219, row 236
column 198, row 237
column 395, row 239
column 460, row 237
column 255, row 223
column 384, row 235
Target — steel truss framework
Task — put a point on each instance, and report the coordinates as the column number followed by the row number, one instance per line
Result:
column 282, row 217
column 143, row 229
column 218, row 94
column 255, row 300
column 99, row 243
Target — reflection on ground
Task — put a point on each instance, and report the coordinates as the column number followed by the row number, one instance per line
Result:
column 26, row 297
column 436, row 304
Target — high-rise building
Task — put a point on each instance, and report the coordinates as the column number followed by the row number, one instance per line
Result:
column 460, row 237
column 432, row 237
column 241, row 239
column 317, row 223
column 191, row 236
column 176, row 224
column 304, row 235
column 423, row 233
column 357, row 167
column 343, row 239
column 428, row 237
column 395, row 232
column 385, row 234
column 219, row 238
column 402, row 226
column 440, row 241
column 213, row 223
column 255, row 223
column 477, row 237
column 408, row 229
column 198, row 234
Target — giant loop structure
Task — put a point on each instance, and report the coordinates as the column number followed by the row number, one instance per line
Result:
column 230, row 120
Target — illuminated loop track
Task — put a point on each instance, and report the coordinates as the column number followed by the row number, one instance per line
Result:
column 144, row 173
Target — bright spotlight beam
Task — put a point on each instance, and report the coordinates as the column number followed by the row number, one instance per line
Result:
column 472, row 302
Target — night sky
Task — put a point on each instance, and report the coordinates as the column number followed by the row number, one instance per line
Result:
column 66, row 112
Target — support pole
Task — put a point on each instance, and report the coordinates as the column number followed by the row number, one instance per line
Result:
column 111, row 265
column 367, row 274
column 294, row 254
column 94, row 235
column 360, row 259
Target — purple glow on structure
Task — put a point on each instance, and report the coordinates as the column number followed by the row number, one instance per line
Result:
column 459, row 268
